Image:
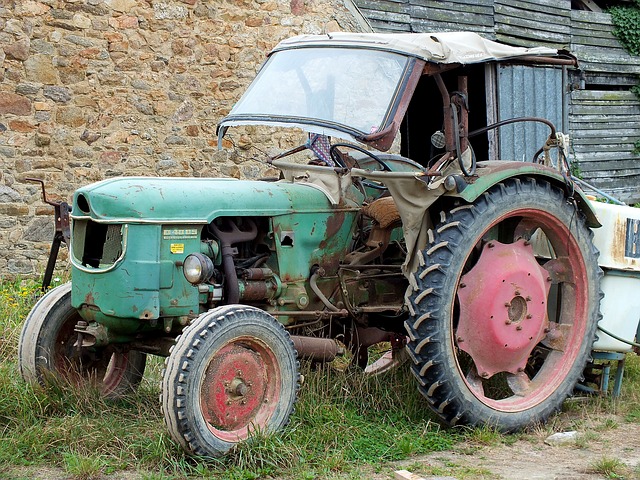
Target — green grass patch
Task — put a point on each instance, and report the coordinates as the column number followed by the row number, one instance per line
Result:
column 345, row 425
column 343, row 422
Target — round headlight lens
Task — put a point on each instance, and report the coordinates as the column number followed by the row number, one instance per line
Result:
column 197, row 268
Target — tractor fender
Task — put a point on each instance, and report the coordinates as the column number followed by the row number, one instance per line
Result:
column 490, row 173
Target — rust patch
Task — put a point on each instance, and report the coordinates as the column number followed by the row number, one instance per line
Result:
column 334, row 223
column 88, row 299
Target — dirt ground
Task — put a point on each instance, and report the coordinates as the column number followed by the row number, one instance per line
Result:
column 598, row 442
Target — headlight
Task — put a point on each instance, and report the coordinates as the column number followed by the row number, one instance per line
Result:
column 197, row 268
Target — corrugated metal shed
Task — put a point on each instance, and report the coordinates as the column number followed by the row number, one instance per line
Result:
column 527, row 92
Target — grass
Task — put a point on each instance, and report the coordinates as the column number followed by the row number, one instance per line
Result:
column 609, row 468
column 345, row 425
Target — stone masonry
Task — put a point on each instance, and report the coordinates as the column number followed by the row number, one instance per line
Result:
column 91, row 89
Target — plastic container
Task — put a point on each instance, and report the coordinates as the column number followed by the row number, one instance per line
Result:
column 620, row 309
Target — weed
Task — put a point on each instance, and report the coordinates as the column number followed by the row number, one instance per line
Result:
column 82, row 467
column 609, row 467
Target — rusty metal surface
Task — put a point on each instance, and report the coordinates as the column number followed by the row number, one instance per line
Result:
column 316, row 349
column 503, row 308
column 62, row 232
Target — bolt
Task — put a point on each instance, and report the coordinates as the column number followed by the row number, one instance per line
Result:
column 249, row 384
column 490, row 245
column 507, row 304
column 241, row 389
column 228, row 402
column 239, row 373
column 519, row 327
column 507, row 322
column 520, row 369
column 462, row 285
column 226, row 383
column 528, row 299
column 460, row 339
column 243, row 402
column 547, row 330
column 548, row 279
column 527, row 243
column 484, row 375
column 529, row 316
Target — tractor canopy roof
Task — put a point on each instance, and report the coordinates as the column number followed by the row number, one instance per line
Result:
column 357, row 86
column 444, row 47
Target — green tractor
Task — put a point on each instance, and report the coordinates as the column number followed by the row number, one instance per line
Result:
column 482, row 274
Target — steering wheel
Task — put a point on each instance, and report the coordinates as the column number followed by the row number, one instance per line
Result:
column 337, row 158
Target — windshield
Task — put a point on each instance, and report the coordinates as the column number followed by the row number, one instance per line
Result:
column 352, row 88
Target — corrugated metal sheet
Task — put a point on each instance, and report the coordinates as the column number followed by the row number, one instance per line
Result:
column 525, row 91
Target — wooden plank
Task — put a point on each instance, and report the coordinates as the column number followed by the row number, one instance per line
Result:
column 604, row 95
column 406, row 475
column 557, row 7
column 595, row 109
column 595, row 41
column 595, row 54
column 534, row 20
column 586, row 126
column 604, row 147
column 480, row 8
column 387, row 16
column 608, row 157
column 615, row 134
column 446, row 16
column 586, row 29
column 389, row 27
column 457, row 4
column 383, row 6
column 421, row 25
column 628, row 135
column 594, row 18
column 527, row 38
column 597, row 28
column 608, row 107
column 604, row 78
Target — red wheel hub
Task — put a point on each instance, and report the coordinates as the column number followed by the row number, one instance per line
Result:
column 239, row 390
column 503, row 308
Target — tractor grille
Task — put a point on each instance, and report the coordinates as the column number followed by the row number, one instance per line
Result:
column 96, row 245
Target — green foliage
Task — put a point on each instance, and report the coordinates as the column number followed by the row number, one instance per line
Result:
column 626, row 21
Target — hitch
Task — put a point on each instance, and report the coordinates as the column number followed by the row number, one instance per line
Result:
column 62, row 232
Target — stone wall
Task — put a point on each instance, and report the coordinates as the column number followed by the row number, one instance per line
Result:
column 91, row 89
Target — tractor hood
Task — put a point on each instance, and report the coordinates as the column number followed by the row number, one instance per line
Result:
column 191, row 200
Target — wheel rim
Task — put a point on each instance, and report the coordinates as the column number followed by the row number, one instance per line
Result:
column 105, row 367
column 240, row 389
column 518, row 332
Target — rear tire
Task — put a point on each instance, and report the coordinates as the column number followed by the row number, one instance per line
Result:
column 231, row 374
column 46, row 349
column 502, row 327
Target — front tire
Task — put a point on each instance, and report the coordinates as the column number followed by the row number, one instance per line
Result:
column 506, row 307
column 232, row 373
column 46, row 348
